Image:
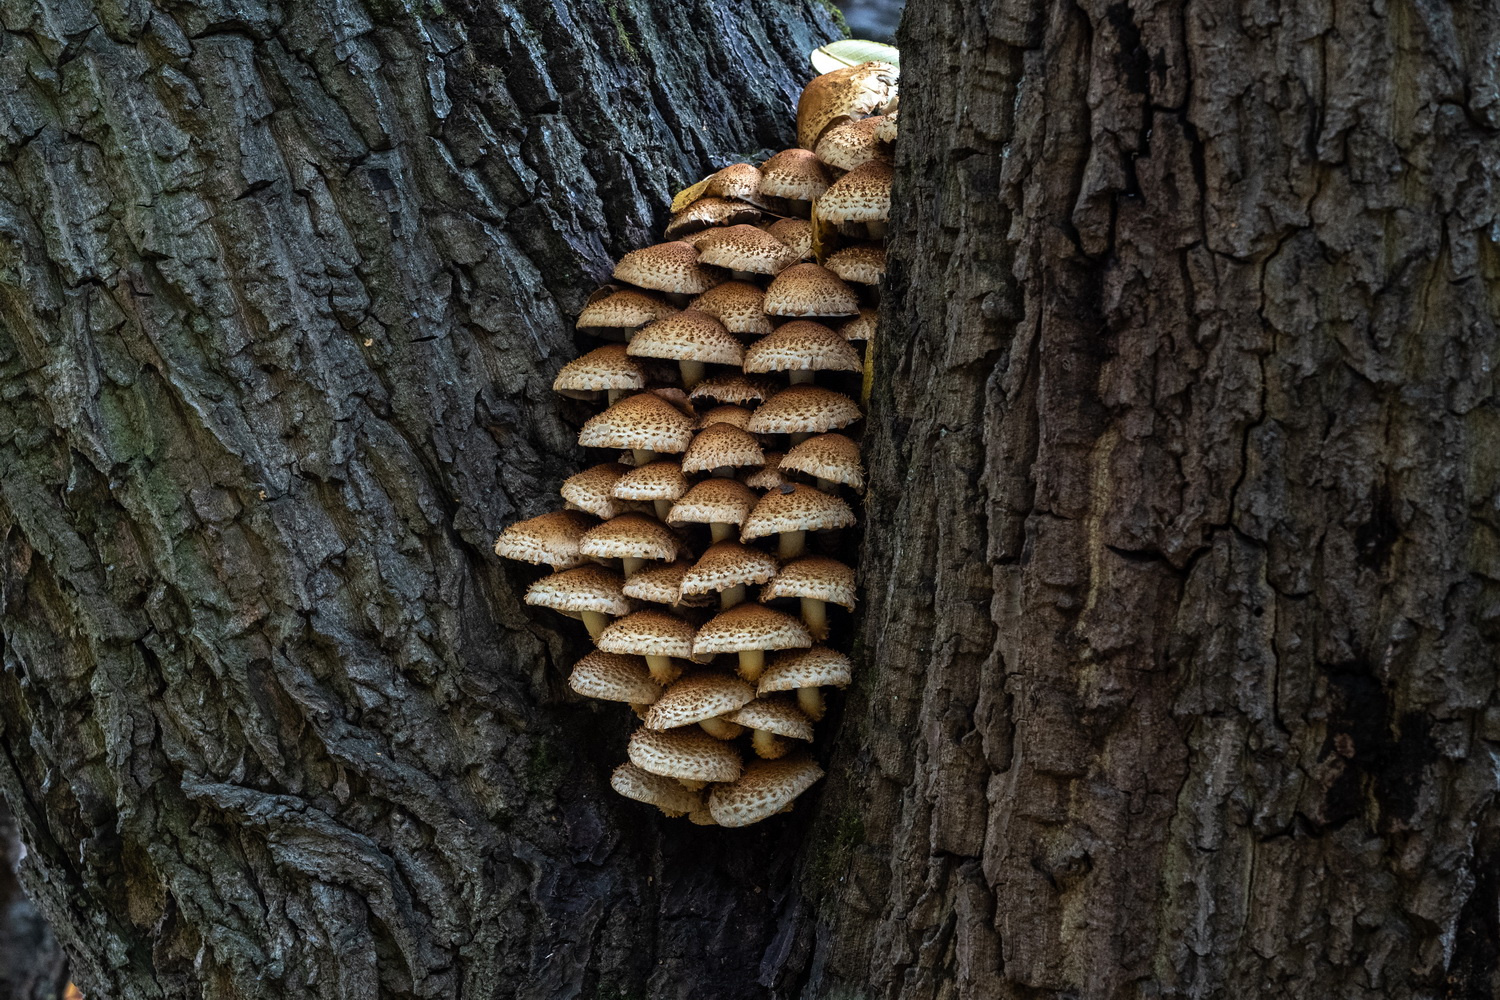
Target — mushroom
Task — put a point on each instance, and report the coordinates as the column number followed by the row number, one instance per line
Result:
column 769, row 476
column 690, row 338
column 795, row 233
column 606, row 368
column 861, row 327
column 862, row 195
column 862, row 264
column 766, row 788
column 644, row 423
column 809, row 290
column 588, row 592
column 807, row 671
column 853, row 92
column 818, row 581
column 663, row 585
column 613, row 677
column 690, row 755
column 707, row 212
column 631, row 538
column 792, row 513
column 800, row 348
column 722, row 448
column 671, row 267
column 550, row 538
column 746, row 252
column 734, row 416
column 886, row 130
column 666, row 794
column 795, row 178
column 734, row 388
column 749, row 630
column 722, row 504
column 771, row 719
column 621, row 311
column 653, row 634
column 737, row 305
column 849, row 144
column 660, row 482
column 701, row 698
column 802, row 410
column 727, row 568
column 829, row 458
column 740, row 181
column 591, row 489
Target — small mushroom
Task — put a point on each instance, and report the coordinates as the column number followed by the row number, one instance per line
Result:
column 706, row 213
column 645, row 423
column 622, row 311
column 666, row 794
column 721, row 449
column 863, row 195
column 769, row 476
column 591, row 489
column 795, row 233
column 831, row 459
column 673, row 268
column 773, row 721
column 663, row 585
column 735, row 416
column 749, row 630
column 737, row 305
column 807, row 671
column 691, row 338
column 722, row 504
column 817, row 581
column 746, row 251
column 852, row 143
column 801, row 410
column 701, row 698
column 795, row 177
column 604, row 369
column 800, row 348
column 861, row 327
column 740, row 181
column 550, row 538
column 766, row 788
column 734, row 388
column 690, row 755
column 660, row 482
column 653, row 634
column 588, row 592
column 613, row 677
column 792, row 514
column 727, row 568
column 850, row 92
column 631, row 538
column 860, row 264
column 808, row 291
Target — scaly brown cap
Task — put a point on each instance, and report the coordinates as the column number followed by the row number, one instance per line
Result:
column 795, row 233
column 750, row 626
column 663, row 585
column 550, row 538
column 802, row 345
column 794, row 174
column 624, row 309
column 706, row 212
column 648, row 633
column 745, row 248
column 775, row 715
column 804, row 668
column 809, row 290
column 801, row 509
column 699, row 696
column 817, row 577
column 666, row 794
column 684, row 754
column 727, row 501
column 853, row 91
column 642, row 421
column 849, row 144
column 769, row 476
column 688, row 336
column 738, row 180
column 737, row 305
column 735, row 416
column 766, row 788
column 592, row 489
column 722, row 445
column 886, row 130
column 861, row 195
column 607, row 367
column 586, row 588
column 804, row 409
column 734, row 388
column 828, row 456
column 863, row 263
column 613, row 677
column 632, row 536
column 861, row 327
column 725, row 565
column 661, row 480
column 668, row 267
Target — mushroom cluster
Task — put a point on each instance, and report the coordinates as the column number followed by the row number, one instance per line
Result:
column 701, row 553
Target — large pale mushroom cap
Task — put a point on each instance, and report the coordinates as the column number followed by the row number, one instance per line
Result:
column 663, row 585
column 727, row 501
column 734, row 416
column 720, row 446
column 648, row 633
column 585, row 588
column 607, row 367
column 828, row 456
column 660, row 480
column 734, row 388
column 749, row 626
column 863, row 263
column 853, row 92
column 688, row 336
column 861, row 327
column 816, row 577
column 630, row 536
column 699, row 696
column 802, row 345
column 795, row 233
column 800, row 509
column 550, row 538
column 745, row 248
column 849, row 144
column 592, row 488
column 684, row 754
column 809, row 290
column 728, row 564
column 738, row 180
column 765, row 789
column 666, row 794
column 861, row 195
column 623, row 309
column 642, row 421
column 804, row 409
column 794, row 174
column 668, row 267
column 779, row 715
column 614, row 677
column 707, row 212
column 737, row 305
column 805, row 668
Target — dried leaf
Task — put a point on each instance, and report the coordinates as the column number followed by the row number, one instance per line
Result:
column 682, row 199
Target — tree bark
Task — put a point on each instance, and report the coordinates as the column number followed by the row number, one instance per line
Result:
column 32, row 964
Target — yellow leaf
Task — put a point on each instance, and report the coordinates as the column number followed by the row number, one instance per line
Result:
column 823, row 235
column 688, row 195
column 852, row 52
column 869, row 379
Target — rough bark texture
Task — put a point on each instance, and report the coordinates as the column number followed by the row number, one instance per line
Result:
column 1183, row 573
column 32, row 964
column 283, row 286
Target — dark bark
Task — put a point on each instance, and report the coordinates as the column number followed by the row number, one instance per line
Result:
column 32, row 964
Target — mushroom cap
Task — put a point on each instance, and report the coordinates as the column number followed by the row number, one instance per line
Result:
column 750, row 626
column 630, row 536
column 861, row 327
column 659, row 480
column 607, row 367
column 803, row 409
column 737, row 305
column 703, row 695
column 623, row 309
column 809, row 290
column 668, row 267
column 801, row 668
column 662, row 584
column 592, row 488
column 614, row 677
column 773, row 714
column 847, row 145
column 863, row 263
column 795, row 174
column 688, row 336
column 685, row 754
column 801, row 508
column 745, row 248
column 853, row 91
column 828, row 456
column 721, row 445
column 727, row 501
column 765, row 788
column 666, row 794
column 738, row 180
column 644, row 420
column 861, row 195
column 706, row 212
column 735, row 388
column 886, row 130
column 817, row 577
column 584, row 588
column 677, row 398
column 735, row 416
column 550, row 538
column 769, row 476
column 728, row 564
column 648, row 633
column 795, row 233
column 802, row 345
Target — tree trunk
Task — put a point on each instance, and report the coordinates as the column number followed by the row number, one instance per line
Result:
column 32, row 965
column 1182, row 562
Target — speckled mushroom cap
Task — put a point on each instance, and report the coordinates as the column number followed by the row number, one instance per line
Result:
column 666, row 794
column 725, row 565
column 773, row 714
column 633, row 536
column 607, row 367
column 550, row 538
column 699, row 696
column 735, row 416
column 734, row 388
column 847, row 145
column 668, row 267
column 722, row 445
column 802, row 668
column 614, row 677
column 662, row 584
column 795, row 174
column 853, row 91
column 727, row 501
column 677, row 398
column 803, row 409
column 802, row 345
column 817, row 577
column 738, row 180
column 660, row 480
column 584, row 588
column 750, row 626
column 684, row 754
column 863, row 263
column 766, row 788
column 591, row 488
column 861, row 327
column 623, row 309
column 688, row 336
column 706, row 212
column 801, row 508
column 861, row 195
column 745, row 248
column 809, row 290
column 648, row 633
column 769, row 476
column 886, row 130
column 795, row 233
column 828, row 456
column 643, row 421
column 737, row 305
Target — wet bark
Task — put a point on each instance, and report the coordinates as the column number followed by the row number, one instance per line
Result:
column 32, row 964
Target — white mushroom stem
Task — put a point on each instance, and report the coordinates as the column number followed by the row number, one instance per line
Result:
column 827, row 485
column 663, row 508
column 810, row 700
column 662, row 670
column 595, row 622
column 877, row 230
column 752, row 662
column 642, row 456
column 615, row 395
column 692, row 373
column 815, row 613
column 731, row 596
column 769, row 745
column 722, row 530
column 800, row 376
column 633, row 564
column 721, row 729
column 791, row 544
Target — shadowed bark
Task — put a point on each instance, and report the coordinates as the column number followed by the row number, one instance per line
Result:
column 32, row 964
